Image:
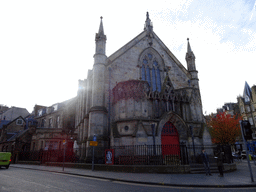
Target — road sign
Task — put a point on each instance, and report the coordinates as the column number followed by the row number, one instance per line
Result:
column 94, row 138
column 94, row 143
column 64, row 142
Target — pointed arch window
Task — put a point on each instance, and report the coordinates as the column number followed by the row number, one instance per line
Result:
column 153, row 79
column 158, row 80
column 151, row 70
column 155, row 63
column 148, row 76
column 143, row 77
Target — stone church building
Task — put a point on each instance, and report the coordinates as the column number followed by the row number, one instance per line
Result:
column 139, row 94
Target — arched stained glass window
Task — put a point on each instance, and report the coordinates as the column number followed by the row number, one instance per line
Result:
column 143, row 75
column 158, row 80
column 151, row 65
column 148, row 76
column 155, row 63
column 154, row 79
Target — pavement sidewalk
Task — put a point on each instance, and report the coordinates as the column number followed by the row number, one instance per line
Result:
column 239, row 178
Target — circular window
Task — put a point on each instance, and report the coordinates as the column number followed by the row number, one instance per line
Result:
column 126, row 128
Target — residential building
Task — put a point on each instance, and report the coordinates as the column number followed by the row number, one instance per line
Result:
column 55, row 124
column 247, row 106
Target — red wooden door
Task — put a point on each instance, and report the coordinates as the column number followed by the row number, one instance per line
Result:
column 170, row 140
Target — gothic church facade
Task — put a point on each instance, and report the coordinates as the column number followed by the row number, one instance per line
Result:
column 140, row 91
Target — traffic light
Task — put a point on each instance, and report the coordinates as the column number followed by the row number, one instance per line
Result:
column 247, row 130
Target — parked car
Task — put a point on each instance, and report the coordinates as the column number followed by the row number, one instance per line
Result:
column 236, row 155
column 5, row 159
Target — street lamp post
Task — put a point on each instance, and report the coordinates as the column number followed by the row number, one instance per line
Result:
column 247, row 155
column 154, row 142
column 192, row 134
column 94, row 139
column 64, row 143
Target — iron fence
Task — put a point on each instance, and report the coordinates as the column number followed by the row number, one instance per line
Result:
column 48, row 156
column 150, row 155
column 133, row 154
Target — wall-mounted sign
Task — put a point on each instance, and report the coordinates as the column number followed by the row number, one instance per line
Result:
column 109, row 156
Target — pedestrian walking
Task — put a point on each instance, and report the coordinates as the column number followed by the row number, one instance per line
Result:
column 206, row 162
column 220, row 162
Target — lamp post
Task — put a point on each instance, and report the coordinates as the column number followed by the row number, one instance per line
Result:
column 64, row 153
column 247, row 155
column 153, row 134
column 192, row 134
column 67, row 132
column 94, row 139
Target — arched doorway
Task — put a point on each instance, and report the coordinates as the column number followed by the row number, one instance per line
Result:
column 170, row 141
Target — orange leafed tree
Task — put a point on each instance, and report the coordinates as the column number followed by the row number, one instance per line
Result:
column 223, row 128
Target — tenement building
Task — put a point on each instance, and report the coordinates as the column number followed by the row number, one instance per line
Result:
column 247, row 106
column 139, row 95
column 55, row 126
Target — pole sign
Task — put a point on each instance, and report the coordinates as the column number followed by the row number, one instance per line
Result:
column 242, row 122
column 94, row 143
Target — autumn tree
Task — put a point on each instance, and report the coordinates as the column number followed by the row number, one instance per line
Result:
column 223, row 128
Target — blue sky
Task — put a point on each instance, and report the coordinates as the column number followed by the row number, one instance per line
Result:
column 46, row 46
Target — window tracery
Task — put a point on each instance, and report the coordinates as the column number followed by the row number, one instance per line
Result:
column 150, row 71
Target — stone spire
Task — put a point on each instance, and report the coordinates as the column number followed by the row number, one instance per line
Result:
column 100, row 39
column 191, row 66
column 189, row 51
column 149, row 29
column 100, row 35
column 148, row 24
column 101, row 30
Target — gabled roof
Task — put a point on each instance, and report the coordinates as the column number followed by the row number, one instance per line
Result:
column 19, row 117
column 16, row 135
column 247, row 91
column 3, row 122
column 136, row 40
column 14, row 112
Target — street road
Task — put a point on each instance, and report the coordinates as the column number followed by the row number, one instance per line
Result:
column 26, row 180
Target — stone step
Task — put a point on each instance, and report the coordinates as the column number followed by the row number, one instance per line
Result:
column 203, row 172
column 202, row 168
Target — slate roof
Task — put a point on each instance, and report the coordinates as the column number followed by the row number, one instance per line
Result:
column 3, row 122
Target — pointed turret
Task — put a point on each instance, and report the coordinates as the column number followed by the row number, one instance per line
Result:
column 190, row 58
column 191, row 66
column 101, row 30
column 149, row 29
column 98, row 111
column 148, row 24
column 100, row 39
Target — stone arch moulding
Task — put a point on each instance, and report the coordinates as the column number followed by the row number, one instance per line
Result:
column 177, row 121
